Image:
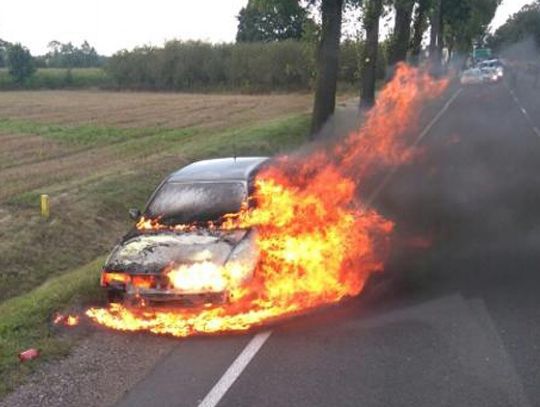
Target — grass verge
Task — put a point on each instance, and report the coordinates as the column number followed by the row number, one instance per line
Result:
column 25, row 321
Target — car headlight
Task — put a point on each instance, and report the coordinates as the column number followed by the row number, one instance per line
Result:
column 113, row 277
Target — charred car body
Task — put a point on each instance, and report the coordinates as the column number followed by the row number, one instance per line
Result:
column 202, row 263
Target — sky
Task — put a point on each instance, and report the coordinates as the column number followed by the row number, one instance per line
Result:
column 506, row 9
column 112, row 25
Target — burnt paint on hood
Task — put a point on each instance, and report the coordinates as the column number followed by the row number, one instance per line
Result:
column 149, row 253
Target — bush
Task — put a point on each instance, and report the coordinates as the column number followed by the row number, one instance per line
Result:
column 195, row 65
column 58, row 78
column 349, row 61
column 19, row 62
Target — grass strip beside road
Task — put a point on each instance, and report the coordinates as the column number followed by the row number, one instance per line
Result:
column 25, row 321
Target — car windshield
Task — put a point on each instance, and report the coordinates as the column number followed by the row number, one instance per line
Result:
column 181, row 203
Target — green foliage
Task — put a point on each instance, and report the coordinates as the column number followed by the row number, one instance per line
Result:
column 196, row 66
column 523, row 24
column 467, row 21
column 19, row 62
column 283, row 65
column 67, row 55
column 271, row 20
column 4, row 45
column 349, row 58
column 58, row 78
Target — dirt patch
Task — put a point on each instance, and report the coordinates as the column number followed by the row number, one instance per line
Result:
column 174, row 110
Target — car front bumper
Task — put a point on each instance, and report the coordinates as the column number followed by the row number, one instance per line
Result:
column 167, row 296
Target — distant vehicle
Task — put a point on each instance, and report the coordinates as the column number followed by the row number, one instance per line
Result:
column 491, row 75
column 174, row 263
column 493, row 69
column 472, row 76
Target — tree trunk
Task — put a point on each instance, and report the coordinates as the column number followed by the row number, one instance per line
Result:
column 419, row 27
column 440, row 35
column 402, row 31
column 369, row 61
column 451, row 45
column 327, row 64
column 435, row 18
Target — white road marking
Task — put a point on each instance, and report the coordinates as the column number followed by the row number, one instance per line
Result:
column 234, row 370
column 420, row 137
column 437, row 117
column 524, row 111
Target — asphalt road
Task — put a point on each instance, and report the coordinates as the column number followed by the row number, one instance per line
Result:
column 453, row 324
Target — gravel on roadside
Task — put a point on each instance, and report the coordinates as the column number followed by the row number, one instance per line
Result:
column 97, row 373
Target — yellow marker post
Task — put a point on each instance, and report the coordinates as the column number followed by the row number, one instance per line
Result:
column 45, row 206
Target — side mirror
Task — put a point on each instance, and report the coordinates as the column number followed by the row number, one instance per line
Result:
column 134, row 213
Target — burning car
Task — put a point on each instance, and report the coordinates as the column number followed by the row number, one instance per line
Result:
column 177, row 251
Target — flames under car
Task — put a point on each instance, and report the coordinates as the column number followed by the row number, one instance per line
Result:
column 202, row 263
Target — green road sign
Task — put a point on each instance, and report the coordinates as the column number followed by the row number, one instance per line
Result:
column 482, row 53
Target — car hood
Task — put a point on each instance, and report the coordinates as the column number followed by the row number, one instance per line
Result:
column 151, row 253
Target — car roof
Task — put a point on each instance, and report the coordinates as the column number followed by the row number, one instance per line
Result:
column 490, row 62
column 239, row 168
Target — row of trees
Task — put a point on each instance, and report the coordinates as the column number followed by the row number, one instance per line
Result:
column 68, row 55
column 60, row 55
column 195, row 65
column 454, row 25
column 249, row 66
column 22, row 65
column 18, row 60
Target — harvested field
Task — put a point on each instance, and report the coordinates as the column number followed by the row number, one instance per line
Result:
column 21, row 149
column 130, row 109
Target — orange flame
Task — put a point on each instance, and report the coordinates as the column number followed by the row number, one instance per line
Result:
column 67, row 320
column 317, row 242
column 205, row 276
